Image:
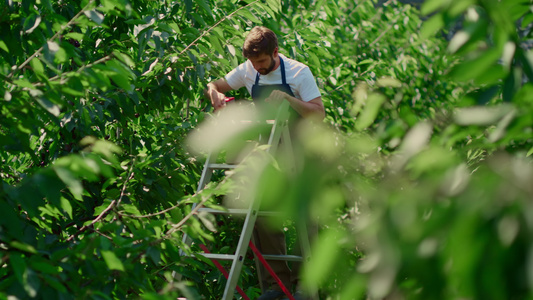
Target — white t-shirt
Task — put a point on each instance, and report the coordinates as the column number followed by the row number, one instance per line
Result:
column 297, row 75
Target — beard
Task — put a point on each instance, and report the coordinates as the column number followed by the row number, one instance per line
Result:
column 265, row 71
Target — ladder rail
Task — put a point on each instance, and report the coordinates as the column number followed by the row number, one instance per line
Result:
column 279, row 133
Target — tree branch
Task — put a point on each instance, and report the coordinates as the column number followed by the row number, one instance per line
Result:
column 216, row 24
column 55, row 36
column 96, row 62
column 108, row 208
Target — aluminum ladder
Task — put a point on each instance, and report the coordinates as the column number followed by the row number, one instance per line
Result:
column 279, row 133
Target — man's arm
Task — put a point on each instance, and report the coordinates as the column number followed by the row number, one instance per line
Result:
column 313, row 108
column 215, row 92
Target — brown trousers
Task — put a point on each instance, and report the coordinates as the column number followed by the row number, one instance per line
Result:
column 271, row 241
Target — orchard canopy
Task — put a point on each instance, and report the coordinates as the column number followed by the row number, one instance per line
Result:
column 420, row 175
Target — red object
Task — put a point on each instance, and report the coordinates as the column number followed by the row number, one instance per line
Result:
column 269, row 269
column 228, row 99
column 224, row 272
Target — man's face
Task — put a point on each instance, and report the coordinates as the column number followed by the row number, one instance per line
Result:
column 263, row 63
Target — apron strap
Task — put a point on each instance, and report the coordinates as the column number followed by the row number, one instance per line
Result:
column 282, row 68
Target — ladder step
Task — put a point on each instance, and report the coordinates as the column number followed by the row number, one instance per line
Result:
column 283, row 257
column 237, row 211
column 266, row 256
column 232, row 211
column 218, row 256
column 221, row 166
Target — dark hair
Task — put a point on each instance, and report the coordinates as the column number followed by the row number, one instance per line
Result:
column 260, row 40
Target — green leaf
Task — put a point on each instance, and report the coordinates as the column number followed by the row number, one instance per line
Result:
column 322, row 261
column 481, row 115
column 33, row 283
column 208, row 220
column 45, row 103
column 18, row 265
column 430, row 6
column 31, row 23
column 275, row 5
column 37, row 66
column 44, row 266
column 249, row 16
column 71, row 91
column 528, row 19
column 205, row 6
column 3, row 46
column 73, row 184
column 154, row 254
column 105, row 148
column 74, row 35
column 530, row 152
column 60, row 56
column 388, row 82
column 112, row 261
column 215, row 43
column 121, row 75
column 10, row 220
column 474, row 68
column 49, row 185
column 55, row 283
column 24, row 83
column 26, row 276
column 66, row 206
column 125, row 58
column 370, row 111
column 492, row 76
column 23, row 247
column 95, row 16
column 431, row 26
column 459, row 6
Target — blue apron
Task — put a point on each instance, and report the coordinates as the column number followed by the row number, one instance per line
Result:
column 261, row 92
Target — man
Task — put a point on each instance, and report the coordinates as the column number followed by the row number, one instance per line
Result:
column 272, row 77
column 261, row 75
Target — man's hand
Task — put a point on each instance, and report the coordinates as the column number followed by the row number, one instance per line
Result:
column 215, row 92
column 276, row 97
column 314, row 107
column 218, row 99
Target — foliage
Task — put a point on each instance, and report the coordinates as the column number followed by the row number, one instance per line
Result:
column 419, row 175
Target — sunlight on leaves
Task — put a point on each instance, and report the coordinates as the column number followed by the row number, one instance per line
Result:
column 481, row 115
column 95, row 16
column 112, row 261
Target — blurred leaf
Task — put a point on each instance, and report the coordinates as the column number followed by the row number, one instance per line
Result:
column 388, row 82
column 23, row 247
column 37, row 66
column 431, row 26
column 325, row 252
column 112, row 261
column 74, row 35
column 4, row 47
column 95, row 16
column 481, row 115
column 73, row 184
column 10, row 220
column 500, row 130
column 430, row 6
column 45, row 103
column 24, row 83
column 208, row 220
column 474, row 68
column 370, row 111
column 459, row 6
column 416, row 139
column 26, row 277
